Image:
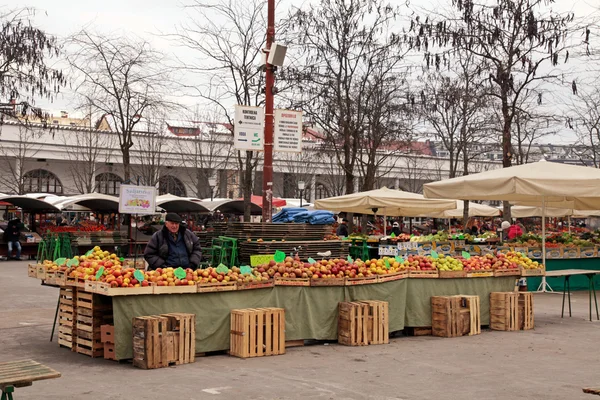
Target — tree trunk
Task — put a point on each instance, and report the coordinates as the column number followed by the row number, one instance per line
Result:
column 126, row 164
column 506, row 141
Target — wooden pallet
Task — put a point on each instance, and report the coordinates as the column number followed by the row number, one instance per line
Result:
column 525, row 306
column 453, row 316
column 93, row 311
column 184, row 325
column 67, row 316
column 257, row 332
column 152, row 346
column 378, row 331
column 267, row 232
column 353, row 323
column 305, row 248
column 504, row 311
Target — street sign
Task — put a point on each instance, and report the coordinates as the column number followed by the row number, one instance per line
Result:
column 249, row 128
column 288, row 131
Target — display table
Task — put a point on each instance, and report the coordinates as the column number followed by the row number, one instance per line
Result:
column 311, row 312
column 569, row 274
column 577, row 282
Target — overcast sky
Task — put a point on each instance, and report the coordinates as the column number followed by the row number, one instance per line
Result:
column 148, row 18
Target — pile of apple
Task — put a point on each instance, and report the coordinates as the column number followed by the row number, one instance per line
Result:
column 121, row 277
column 52, row 266
column 478, row 263
column 89, row 265
column 166, row 277
column 447, row 263
column 522, row 260
column 419, row 263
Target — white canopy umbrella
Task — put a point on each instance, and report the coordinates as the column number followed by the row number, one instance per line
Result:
column 85, row 202
column 172, row 203
column 475, row 210
column 542, row 183
column 387, row 202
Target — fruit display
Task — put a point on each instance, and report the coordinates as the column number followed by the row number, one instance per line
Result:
column 447, row 263
column 522, row 260
column 419, row 263
column 52, row 266
column 478, row 263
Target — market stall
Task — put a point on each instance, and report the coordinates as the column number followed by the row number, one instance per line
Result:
column 542, row 184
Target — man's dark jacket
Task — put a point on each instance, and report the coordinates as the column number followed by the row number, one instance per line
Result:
column 157, row 250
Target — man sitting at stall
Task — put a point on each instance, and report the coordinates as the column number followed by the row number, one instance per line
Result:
column 342, row 230
column 11, row 236
column 173, row 246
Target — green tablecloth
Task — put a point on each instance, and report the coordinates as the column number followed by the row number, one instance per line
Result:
column 577, row 282
column 310, row 312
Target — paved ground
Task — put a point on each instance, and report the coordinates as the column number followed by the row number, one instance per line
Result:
column 554, row 361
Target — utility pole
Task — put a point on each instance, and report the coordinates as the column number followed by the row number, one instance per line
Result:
column 267, row 202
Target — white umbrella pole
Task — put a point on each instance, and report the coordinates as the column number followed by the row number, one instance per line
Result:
column 544, row 284
column 569, row 222
column 384, row 223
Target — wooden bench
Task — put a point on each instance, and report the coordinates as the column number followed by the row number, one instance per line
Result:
column 14, row 374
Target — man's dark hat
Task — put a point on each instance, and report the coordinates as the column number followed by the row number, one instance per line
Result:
column 173, row 217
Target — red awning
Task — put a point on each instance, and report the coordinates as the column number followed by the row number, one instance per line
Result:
column 276, row 201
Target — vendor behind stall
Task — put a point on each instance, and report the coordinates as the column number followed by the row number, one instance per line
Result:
column 173, row 246
column 342, row 229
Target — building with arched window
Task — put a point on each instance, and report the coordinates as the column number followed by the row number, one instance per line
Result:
column 169, row 184
column 108, row 183
column 42, row 181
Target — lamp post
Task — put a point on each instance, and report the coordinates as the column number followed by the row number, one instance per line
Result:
column 212, row 182
column 301, row 189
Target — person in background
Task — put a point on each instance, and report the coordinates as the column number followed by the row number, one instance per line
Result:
column 396, row 229
column 520, row 225
column 11, row 236
column 173, row 246
column 511, row 231
column 342, row 229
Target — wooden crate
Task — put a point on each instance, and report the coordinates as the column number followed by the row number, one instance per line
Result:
column 67, row 320
column 480, row 273
column 418, row 330
column 424, row 274
column 93, row 311
column 504, row 311
column 533, row 272
column 328, row 282
column 255, row 285
column 453, row 316
column 526, row 321
column 507, row 272
column 109, row 351
column 292, row 281
column 393, row 276
column 184, row 325
column 453, row 274
column 378, row 331
column 107, row 333
column 367, row 280
column 353, row 323
column 257, row 332
column 32, row 271
column 176, row 289
column 153, row 347
column 212, row 287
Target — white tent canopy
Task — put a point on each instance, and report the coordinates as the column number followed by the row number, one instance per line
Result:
column 475, row 210
column 384, row 201
column 172, row 203
column 86, row 202
column 526, row 211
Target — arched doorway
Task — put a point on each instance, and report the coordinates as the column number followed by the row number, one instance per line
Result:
column 172, row 185
column 108, row 183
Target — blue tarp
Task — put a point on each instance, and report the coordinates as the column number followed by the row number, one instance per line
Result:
column 302, row 215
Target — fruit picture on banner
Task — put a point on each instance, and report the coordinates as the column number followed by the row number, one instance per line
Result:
column 137, row 199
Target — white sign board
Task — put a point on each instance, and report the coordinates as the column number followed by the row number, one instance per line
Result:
column 288, row 131
column 137, row 199
column 249, row 128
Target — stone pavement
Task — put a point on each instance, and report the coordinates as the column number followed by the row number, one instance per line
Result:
column 554, row 361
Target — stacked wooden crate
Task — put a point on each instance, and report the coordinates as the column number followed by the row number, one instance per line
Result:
column 257, row 332
column 163, row 340
column 93, row 311
column 511, row 311
column 67, row 313
column 453, row 316
column 361, row 323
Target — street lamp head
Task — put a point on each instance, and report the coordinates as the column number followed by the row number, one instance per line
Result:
column 212, row 182
column 301, row 185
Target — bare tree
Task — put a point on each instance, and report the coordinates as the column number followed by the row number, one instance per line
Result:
column 122, row 79
column 521, row 40
column 332, row 177
column 25, row 54
column 413, row 173
column 298, row 167
column 87, row 148
column 584, row 118
column 345, row 45
column 149, row 154
column 227, row 38
column 14, row 153
column 204, row 155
